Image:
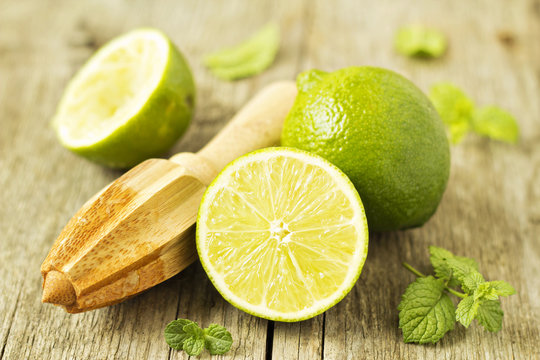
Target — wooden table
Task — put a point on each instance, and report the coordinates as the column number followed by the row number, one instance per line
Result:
column 490, row 211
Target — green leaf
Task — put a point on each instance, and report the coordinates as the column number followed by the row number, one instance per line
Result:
column 491, row 290
column 461, row 267
column 490, row 315
column 495, row 123
column 502, row 288
column 485, row 291
column 184, row 334
column 467, row 310
column 420, row 41
column 426, row 312
column 454, row 107
column 193, row 330
column 217, row 339
column 194, row 343
column 193, row 346
column 458, row 130
column 471, row 281
column 248, row 58
column 439, row 259
column 175, row 334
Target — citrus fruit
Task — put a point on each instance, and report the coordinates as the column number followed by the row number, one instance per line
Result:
column 282, row 234
column 383, row 132
column 131, row 101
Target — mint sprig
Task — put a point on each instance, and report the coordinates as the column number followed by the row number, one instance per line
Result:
column 461, row 115
column 426, row 311
column 184, row 334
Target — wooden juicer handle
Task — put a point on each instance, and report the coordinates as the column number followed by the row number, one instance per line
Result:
column 257, row 125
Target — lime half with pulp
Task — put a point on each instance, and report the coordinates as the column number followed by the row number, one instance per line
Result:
column 282, row 234
column 131, row 101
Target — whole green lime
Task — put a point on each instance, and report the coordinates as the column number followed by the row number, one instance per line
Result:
column 383, row 132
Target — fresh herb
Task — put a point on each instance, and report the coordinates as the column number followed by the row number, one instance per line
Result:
column 461, row 116
column 495, row 123
column 426, row 311
column 248, row 58
column 183, row 334
column 454, row 107
column 420, row 41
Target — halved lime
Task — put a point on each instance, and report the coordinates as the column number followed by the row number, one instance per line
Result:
column 282, row 234
column 131, row 101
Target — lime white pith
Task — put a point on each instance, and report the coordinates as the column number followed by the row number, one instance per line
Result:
column 91, row 108
column 282, row 234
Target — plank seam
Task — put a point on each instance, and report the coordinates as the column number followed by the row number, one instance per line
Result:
column 269, row 340
column 322, row 336
column 175, row 317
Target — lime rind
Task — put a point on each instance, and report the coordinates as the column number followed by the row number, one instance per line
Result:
column 359, row 255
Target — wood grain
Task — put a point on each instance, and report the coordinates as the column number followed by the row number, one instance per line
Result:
column 490, row 211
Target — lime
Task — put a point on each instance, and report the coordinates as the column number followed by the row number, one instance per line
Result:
column 131, row 101
column 383, row 132
column 282, row 234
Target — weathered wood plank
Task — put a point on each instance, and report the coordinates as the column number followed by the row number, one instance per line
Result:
column 302, row 340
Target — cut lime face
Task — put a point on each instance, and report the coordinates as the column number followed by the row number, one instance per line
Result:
column 282, row 234
column 131, row 101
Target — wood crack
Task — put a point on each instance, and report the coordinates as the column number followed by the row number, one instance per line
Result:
column 269, row 339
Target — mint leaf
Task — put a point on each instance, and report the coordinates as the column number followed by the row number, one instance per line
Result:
column 485, row 292
column 217, row 339
column 471, row 281
column 454, row 107
column 175, row 334
column 461, row 267
column 193, row 330
column 420, row 41
column 184, row 334
column 194, row 346
column 439, row 259
column 490, row 315
column 467, row 310
column 248, row 58
column 426, row 313
column 495, row 123
column 491, row 290
column 502, row 288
